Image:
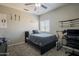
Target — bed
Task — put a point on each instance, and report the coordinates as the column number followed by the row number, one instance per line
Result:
column 42, row 41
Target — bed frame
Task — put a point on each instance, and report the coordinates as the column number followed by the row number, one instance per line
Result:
column 44, row 48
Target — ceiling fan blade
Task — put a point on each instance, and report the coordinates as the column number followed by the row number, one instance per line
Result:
column 43, row 6
column 29, row 3
column 35, row 9
column 26, row 9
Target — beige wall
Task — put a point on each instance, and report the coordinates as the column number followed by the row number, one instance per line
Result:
column 15, row 28
column 66, row 12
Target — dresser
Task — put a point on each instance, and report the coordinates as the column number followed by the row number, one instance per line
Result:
column 3, row 46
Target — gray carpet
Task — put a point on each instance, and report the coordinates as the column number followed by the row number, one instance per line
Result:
column 28, row 50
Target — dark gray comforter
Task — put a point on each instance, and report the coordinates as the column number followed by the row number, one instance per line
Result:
column 42, row 39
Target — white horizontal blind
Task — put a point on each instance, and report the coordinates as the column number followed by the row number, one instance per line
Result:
column 45, row 25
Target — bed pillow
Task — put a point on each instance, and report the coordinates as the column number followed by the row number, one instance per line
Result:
column 35, row 31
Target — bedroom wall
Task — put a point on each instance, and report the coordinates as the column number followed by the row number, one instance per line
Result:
column 70, row 11
column 15, row 28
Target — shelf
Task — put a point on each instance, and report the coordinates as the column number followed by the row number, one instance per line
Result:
column 71, row 22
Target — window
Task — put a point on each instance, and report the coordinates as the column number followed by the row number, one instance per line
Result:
column 45, row 25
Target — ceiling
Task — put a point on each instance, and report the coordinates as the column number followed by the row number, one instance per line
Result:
column 39, row 11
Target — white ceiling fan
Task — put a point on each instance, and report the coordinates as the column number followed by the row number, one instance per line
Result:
column 37, row 5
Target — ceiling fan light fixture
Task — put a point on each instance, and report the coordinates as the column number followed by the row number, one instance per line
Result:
column 37, row 4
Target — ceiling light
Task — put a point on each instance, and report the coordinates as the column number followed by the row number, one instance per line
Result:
column 37, row 4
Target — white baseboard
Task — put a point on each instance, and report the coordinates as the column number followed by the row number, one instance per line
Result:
column 16, row 44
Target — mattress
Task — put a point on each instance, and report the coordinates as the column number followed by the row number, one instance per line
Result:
column 42, row 39
column 42, row 35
